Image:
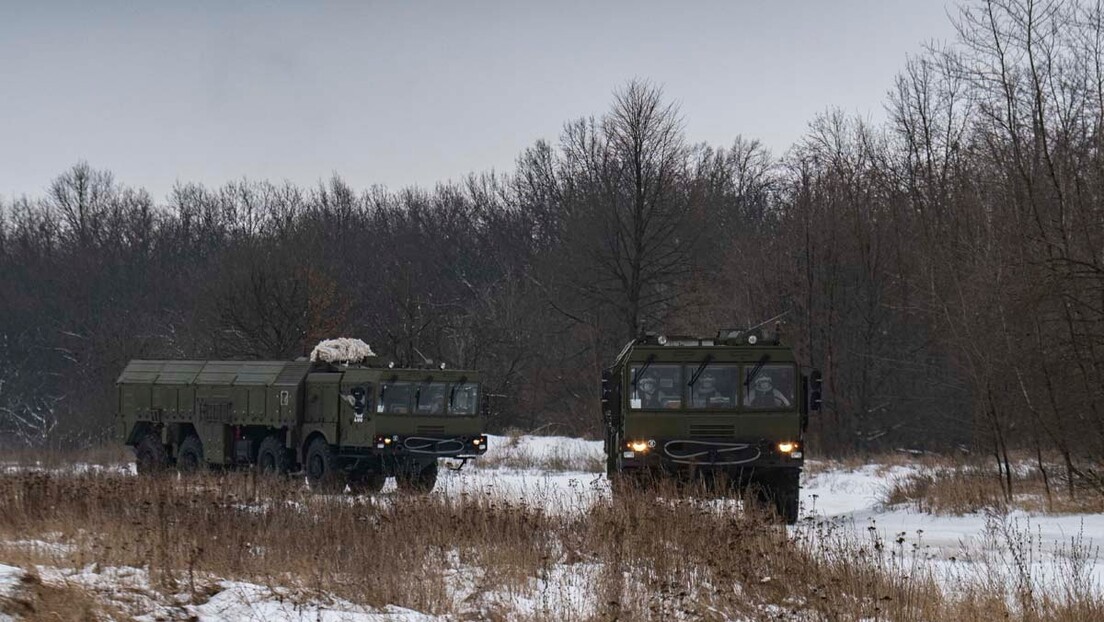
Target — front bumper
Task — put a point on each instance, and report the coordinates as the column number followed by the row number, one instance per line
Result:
column 446, row 447
column 694, row 454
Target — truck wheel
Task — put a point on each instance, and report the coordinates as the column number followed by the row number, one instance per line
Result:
column 189, row 458
column 150, row 455
column 321, row 467
column 787, row 493
column 779, row 491
column 367, row 483
column 625, row 483
column 418, row 482
column 272, row 457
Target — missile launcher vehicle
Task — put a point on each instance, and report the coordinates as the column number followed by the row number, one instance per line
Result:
column 340, row 423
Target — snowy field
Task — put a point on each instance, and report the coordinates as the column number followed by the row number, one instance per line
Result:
column 842, row 506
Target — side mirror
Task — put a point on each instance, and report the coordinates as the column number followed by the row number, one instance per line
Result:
column 485, row 406
column 359, row 404
column 815, row 383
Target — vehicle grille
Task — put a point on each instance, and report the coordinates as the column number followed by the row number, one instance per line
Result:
column 437, row 430
column 712, row 430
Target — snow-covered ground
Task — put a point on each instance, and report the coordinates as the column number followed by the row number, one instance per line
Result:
column 842, row 506
column 1044, row 549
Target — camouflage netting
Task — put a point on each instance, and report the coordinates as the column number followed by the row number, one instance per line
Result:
column 341, row 350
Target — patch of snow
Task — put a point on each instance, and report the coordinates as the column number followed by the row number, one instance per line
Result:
column 129, row 589
column 554, row 453
column 1047, row 550
column 10, row 577
column 76, row 468
column 251, row 602
column 124, row 587
column 563, row 493
column 341, row 350
column 562, row 591
column 41, row 547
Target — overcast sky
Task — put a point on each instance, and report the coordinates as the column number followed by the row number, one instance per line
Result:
column 401, row 93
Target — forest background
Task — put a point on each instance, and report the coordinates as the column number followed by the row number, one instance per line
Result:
column 944, row 269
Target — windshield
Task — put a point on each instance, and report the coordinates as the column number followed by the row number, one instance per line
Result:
column 657, row 387
column 771, row 386
column 714, row 387
column 429, row 398
column 395, row 397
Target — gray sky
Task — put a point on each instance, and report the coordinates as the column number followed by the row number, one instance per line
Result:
column 402, row 93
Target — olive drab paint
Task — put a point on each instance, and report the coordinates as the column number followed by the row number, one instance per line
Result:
column 334, row 421
column 731, row 409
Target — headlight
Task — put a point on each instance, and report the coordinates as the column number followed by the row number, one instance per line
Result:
column 786, row 447
column 639, row 446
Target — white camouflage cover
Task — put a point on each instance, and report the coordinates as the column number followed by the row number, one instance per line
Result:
column 341, row 350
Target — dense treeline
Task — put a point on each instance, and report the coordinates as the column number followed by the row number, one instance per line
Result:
column 945, row 270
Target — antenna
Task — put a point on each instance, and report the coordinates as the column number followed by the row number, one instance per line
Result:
column 428, row 362
column 777, row 317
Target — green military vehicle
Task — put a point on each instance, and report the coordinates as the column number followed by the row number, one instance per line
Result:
column 342, row 423
column 729, row 409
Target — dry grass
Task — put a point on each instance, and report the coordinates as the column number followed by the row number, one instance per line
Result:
column 644, row 555
column 107, row 455
column 36, row 601
column 960, row 485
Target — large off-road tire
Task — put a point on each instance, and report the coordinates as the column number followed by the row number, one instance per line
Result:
column 366, row 483
column 189, row 458
column 419, row 482
column 150, row 455
column 628, row 482
column 787, row 495
column 322, row 469
column 272, row 457
column 780, row 491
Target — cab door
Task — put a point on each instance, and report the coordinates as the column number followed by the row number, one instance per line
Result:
column 357, row 408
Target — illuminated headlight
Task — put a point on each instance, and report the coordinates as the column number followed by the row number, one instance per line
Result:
column 786, row 447
column 639, row 446
column 662, row 339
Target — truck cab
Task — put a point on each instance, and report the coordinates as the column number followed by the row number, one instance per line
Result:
column 730, row 408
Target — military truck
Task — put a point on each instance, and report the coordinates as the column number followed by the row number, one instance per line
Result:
column 730, row 409
column 341, row 424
